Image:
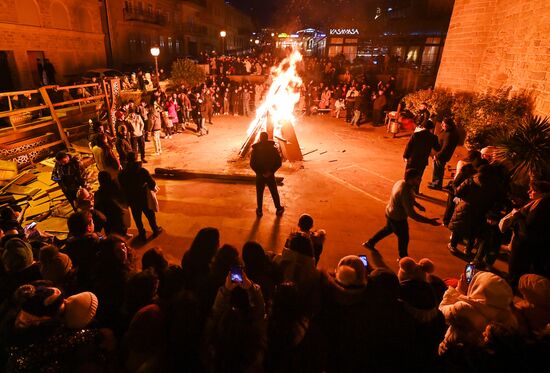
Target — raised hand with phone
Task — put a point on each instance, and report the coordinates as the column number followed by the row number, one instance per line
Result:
column 237, row 278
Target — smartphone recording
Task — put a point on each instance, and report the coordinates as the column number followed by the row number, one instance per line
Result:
column 364, row 260
column 236, row 274
column 469, row 272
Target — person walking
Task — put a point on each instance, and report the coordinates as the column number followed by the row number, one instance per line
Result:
column 265, row 160
column 134, row 181
column 418, row 149
column 448, row 139
column 398, row 210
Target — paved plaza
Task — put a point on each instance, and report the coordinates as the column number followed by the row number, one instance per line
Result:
column 344, row 183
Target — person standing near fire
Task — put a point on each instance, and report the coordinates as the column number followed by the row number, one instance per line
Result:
column 265, row 160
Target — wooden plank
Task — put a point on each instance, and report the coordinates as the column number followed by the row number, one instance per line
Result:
column 23, row 190
column 79, row 100
column 179, row 174
column 4, row 114
column 48, row 102
column 24, row 128
column 9, row 94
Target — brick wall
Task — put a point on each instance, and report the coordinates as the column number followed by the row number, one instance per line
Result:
column 68, row 32
column 493, row 44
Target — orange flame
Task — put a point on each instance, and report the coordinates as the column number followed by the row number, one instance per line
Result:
column 283, row 94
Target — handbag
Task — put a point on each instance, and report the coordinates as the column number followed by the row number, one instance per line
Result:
column 152, row 201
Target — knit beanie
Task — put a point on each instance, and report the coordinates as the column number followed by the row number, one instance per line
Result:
column 410, row 270
column 17, row 255
column 80, row 309
column 351, row 272
column 54, row 265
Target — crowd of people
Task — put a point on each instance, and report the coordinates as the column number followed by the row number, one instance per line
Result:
column 85, row 303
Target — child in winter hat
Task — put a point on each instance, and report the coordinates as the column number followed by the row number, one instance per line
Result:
column 38, row 304
column 54, row 265
column 410, row 270
column 17, row 255
column 80, row 309
column 351, row 272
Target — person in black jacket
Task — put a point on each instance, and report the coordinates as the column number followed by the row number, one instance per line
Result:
column 418, row 149
column 423, row 115
column 448, row 139
column 134, row 181
column 70, row 174
column 265, row 160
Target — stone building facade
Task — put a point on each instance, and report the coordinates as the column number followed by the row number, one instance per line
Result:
column 76, row 35
column 68, row 33
column 181, row 28
column 494, row 44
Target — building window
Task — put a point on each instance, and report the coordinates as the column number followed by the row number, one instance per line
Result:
column 128, row 5
column 150, row 9
column 170, row 43
column 412, row 54
column 161, row 43
column 435, row 41
column 351, row 41
column 178, row 45
column 140, row 7
column 132, row 46
column 337, row 41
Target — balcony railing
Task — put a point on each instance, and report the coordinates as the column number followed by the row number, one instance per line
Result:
column 193, row 29
column 140, row 15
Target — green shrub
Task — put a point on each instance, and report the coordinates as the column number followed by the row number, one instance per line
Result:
column 185, row 71
column 482, row 116
column 439, row 102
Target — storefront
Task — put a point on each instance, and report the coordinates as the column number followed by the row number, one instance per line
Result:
column 343, row 41
column 419, row 49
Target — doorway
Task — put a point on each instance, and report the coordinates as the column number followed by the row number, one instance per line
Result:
column 36, row 63
column 6, row 80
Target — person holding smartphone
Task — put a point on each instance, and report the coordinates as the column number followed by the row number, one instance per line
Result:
column 236, row 327
column 469, row 307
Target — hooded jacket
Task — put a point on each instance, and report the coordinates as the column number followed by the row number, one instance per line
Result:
column 488, row 299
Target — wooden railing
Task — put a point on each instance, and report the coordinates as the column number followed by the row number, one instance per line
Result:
column 44, row 100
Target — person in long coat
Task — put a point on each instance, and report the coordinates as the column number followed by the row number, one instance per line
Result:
column 135, row 180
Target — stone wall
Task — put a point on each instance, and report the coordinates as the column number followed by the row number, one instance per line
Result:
column 494, row 44
column 67, row 32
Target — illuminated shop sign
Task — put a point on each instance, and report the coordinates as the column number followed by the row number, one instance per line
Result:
column 343, row 31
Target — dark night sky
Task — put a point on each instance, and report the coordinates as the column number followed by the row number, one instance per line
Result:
column 295, row 14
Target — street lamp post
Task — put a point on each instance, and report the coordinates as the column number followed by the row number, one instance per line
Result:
column 155, row 51
column 223, row 34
